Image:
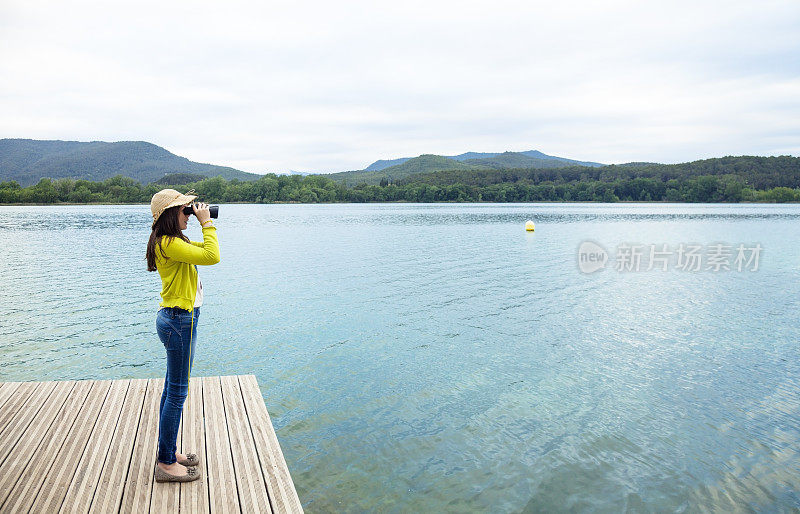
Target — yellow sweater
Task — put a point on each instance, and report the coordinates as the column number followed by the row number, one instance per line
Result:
column 179, row 272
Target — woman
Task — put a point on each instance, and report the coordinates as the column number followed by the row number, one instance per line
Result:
column 176, row 259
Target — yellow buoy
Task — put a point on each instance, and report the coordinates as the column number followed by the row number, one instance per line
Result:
column 529, row 226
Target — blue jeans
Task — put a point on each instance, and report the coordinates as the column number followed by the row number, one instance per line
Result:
column 178, row 332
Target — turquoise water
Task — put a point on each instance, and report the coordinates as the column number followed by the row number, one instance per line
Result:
column 437, row 357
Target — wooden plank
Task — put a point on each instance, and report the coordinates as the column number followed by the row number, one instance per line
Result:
column 22, row 495
column 5, row 393
column 26, row 447
column 250, row 479
column 139, row 486
column 60, row 476
column 166, row 495
column 223, row 497
column 18, row 424
column 282, row 493
column 194, row 495
column 112, row 478
column 84, row 482
column 15, row 403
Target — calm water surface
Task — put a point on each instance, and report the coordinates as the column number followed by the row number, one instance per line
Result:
column 439, row 358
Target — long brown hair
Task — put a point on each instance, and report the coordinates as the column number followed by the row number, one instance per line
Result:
column 167, row 225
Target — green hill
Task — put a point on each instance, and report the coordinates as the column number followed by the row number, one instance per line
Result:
column 759, row 173
column 725, row 179
column 471, row 161
column 28, row 160
column 507, row 160
column 539, row 160
column 423, row 163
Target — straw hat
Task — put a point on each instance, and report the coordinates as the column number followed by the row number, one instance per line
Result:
column 167, row 198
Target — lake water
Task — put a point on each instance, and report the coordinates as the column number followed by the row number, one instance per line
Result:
column 437, row 357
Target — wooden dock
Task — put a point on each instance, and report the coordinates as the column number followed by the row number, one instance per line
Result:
column 90, row 446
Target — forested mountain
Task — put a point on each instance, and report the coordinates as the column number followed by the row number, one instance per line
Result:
column 727, row 179
column 384, row 163
column 420, row 164
column 537, row 160
column 466, row 161
column 26, row 161
column 506, row 177
column 508, row 160
column 759, row 173
column 536, row 156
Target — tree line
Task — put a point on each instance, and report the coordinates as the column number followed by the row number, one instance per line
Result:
column 758, row 173
column 727, row 187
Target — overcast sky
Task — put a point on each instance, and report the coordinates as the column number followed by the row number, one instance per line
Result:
column 335, row 85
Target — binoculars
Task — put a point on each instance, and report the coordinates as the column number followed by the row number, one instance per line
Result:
column 213, row 209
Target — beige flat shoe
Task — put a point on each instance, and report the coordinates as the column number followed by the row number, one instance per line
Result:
column 190, row 460
column 191, row 475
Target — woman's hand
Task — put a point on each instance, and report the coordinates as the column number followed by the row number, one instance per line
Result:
column 201, row 212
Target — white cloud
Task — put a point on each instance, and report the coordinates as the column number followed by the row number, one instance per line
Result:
column 329, row 86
